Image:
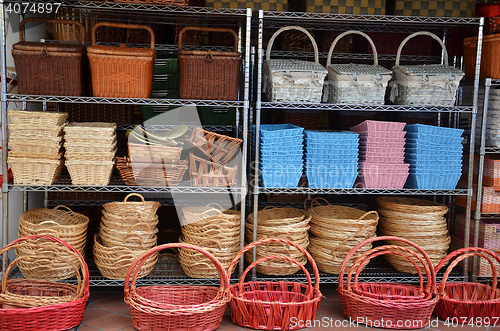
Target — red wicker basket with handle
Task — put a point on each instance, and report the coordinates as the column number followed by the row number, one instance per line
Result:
column 473, row 303
column 274, row 305
column 167, row 307
column 30, row 304
column 388, row 305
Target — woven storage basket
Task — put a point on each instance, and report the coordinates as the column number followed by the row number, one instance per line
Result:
column 47, row 68
column 219, row 148
column 36, row 146
column 473, row 302
column 410, row 205
column 209, row 214
column 273, row 305
column 130, row 217
column 90, row 172
column 71, row 32
column 60, row 219
column 35, row 171
column 434, row 84
column 27, row 303
column 293, row 80
column 355, row 83
column 395, row 303
column 489, row 63
column 38, row 118
column 209, row 75
column 176, row 307
column 149, row 153
column 204, row 173
column 147, row 209
column 168, row 173
column 121, row 72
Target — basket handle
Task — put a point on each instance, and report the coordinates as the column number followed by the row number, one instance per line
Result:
column 248, row 247
column 313, row 201
column 367, row 37
column 469, row 250
column 431, row 277
column 53, row 223
column 286, row 28
column 33, row 19
column 133, row 194
column 123, row 26
column 372, row 212
column 201, row 28
column 133, row 271
column 309, row 290
column 422, row 33
column 140, row 224
column 63, row 207
column 127, row 235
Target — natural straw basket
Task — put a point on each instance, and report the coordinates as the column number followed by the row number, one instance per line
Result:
column 60, row 316
column 204, row 173
column 128, row 218
column 410, row 205
column 201, row 215
column 60, row 218
column 273, row 305
column 38, row 118
column 147, row 209
column 272, row 216
column 35, row 171
column 219, row 148
column 392, row 302
column 166, row 173
column 470, row 301
column 176, row 307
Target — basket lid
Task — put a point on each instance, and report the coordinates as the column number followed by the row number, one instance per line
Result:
column 359, row 69
column 430, row 70
column 50, row 47
column 121, row 51
column 276, row 65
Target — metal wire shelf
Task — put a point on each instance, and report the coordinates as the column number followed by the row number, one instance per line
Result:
column 308, row 190
column 361, row 108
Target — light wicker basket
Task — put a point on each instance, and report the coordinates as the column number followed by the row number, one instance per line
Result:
column 204, row 173
column 89, row 172
column 35, row 171
column 219, row 148
column 355, row 83
column 146, row 209
column 434, row 85
column 292, row 80
column 38, row 118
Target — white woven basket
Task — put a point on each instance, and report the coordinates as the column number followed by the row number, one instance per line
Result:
column 355, row 83
column 434, row 84
column 292, row 80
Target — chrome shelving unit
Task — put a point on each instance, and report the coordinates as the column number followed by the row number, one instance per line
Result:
column 342, row 22
column 166, row 271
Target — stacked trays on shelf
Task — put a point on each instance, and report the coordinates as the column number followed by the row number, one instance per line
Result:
column 331, row 159
column 281, row 153
column 36, row 141
column 492, row 130
column 435, row 156
column 381, row 154
column 90, row 152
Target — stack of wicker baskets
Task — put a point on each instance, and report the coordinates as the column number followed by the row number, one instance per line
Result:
column 36, row 141
column 420, row 221
column 286, row 223
column 42, row 259
column 127, row 230
column 214, row 229
column 335, row 230
column 90, row 152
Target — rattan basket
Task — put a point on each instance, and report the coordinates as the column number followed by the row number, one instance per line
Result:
column 147, row 153
column 197, row 216
column 355, row 83
column 38, row 118
column 35, row 171
column 219, row 148
column 90, row 172
column 204, row 173
column 146, row 209
column 434, row 85
column 168, row 173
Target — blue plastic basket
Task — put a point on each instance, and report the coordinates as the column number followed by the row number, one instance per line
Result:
column 433, row 154
column 432, row 138
column 333, row 168
column 436, row 167
column 427, row 146
column 326, row 180
column 280, row 159
column 277, row 131
column 331, row 160
column 433, row 180
column 324, row 135
column 289, row 140
column 331, row 149
column 280, row 179
column 434, row 130
column 281, row 150
column 290, row 167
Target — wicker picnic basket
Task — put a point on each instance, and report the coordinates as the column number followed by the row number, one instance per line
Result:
column 291, row 80
column 176, row 307
column 272, row 305
column 204, row 173
column 355, row 83
column 32, row 304
column 219, row 148
column 433, row 84
column 391, row 305
column 49, row 68
column 121, row 72
column 209, row 75
column 473, row 302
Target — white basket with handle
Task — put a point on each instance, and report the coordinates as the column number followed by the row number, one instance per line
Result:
column 355, row 83
column 290, row 80
column 431, row 84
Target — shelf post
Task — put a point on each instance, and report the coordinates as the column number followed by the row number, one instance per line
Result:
column 5, row 191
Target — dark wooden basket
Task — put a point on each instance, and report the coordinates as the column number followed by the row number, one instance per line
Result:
column 49, row 69
column 209, row 75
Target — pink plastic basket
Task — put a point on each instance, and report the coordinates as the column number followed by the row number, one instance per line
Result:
column 383, row 168
column 370, row 125
column 382, row 140
column 382, row 134
column 388, row 180
column 376, row 158
column 381, row 150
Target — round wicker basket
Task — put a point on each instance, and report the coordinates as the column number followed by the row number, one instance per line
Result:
column 410, row 205
column 147, row 209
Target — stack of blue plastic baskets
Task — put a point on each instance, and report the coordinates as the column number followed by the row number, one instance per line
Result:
column 331, row 159
column 281, row 155
column 435, row 156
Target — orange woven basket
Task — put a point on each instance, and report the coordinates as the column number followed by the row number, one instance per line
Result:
column 274, row 305
column 169, row 308
column 470, row 302
column 388, row 305
column 121, row 72
column 209, row 75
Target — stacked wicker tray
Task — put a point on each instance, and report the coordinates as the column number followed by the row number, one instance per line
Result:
column 36, row 141
column 126, row 231
column 90, row 152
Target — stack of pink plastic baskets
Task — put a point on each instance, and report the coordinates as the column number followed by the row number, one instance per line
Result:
column 381, row 154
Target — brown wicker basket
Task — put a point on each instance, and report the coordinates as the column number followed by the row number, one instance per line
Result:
column 204, row 173
column 219, row 148
column 121, row 72
column 209, row 75
column 168, row 173
column 49, row 68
